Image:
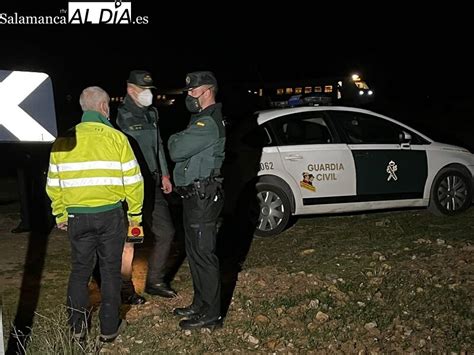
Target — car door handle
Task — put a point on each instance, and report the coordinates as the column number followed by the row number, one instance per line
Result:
column 293, row 157
column 359, row 153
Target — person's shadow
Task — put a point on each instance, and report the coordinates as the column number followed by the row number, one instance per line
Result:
column 177, row 252
column 241, row 208
column 41, row 223
column 30, row 288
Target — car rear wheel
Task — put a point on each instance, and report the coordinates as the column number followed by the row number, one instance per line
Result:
column 274, row 210
column 451, row 193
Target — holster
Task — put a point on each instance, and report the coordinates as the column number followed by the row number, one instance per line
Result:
column 185, row 191
column 203, row 188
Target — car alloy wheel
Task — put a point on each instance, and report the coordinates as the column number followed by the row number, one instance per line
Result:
column 451, row 193
column 274, row 210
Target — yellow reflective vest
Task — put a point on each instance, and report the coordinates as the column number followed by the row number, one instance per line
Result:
column 94, row 170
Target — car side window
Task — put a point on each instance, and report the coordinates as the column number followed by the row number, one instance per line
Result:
column 247, row 135
column 302, row 128
column 361, row 128
column 258, row 137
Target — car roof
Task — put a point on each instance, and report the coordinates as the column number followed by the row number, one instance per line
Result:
column 268, row 115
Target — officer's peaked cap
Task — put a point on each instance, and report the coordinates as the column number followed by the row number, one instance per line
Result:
column 141, row 78
column 199, row 78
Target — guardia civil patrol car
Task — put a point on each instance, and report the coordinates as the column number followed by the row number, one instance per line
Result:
column 332, row 159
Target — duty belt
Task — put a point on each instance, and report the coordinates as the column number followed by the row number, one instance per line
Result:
column 203, row 188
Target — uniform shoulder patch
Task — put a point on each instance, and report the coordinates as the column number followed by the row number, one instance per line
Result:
column 200, row 124
column 136, row 127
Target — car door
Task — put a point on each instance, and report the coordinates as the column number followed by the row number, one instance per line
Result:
column 389, row 163
column 320, row 166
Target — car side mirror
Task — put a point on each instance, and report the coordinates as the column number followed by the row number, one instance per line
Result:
column 404, row 138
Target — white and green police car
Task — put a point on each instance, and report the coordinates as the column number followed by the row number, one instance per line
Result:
column 318, row 160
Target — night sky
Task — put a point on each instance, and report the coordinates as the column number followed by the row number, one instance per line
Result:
column 414, row 60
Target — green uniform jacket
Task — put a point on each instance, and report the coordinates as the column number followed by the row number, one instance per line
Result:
column 141, row 123
column 198, row 150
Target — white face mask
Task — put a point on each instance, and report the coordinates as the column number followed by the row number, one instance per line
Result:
column 145, row 98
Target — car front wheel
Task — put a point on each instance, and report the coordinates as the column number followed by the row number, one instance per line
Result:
column 274, row 210
column 451, row 193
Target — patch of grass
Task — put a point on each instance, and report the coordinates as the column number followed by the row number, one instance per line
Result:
column 51, row 335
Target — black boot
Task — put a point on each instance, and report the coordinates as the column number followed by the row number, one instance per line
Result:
column 202, row 321
column 21, row 228
column 188, row 311
column 129, row 296
column 162, row 289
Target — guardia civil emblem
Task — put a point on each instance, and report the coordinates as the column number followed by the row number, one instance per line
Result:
column 147, row 78
column 391, row 170
column 307, row 182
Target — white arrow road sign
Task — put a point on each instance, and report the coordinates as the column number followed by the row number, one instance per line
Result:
column 14, row 89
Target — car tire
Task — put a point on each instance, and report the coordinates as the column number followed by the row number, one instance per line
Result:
column 451, row 193
column 274, row 210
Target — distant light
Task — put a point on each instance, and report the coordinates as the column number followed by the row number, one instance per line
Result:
column 370, row 92
column 361, row 92
column 255, row 92
column 339, row 83
column 355, row 77
column 250, row 91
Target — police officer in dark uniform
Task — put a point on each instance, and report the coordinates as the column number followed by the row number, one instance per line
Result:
column 139, row 120
column 199, row 152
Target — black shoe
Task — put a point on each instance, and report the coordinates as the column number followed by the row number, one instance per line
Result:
column 186, row 311
column 134, row 299
column 202, row 322
column 20, row 229
column 161, row 289
column 111, row 337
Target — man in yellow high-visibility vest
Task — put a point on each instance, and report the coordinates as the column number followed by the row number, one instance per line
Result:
column 92, row 171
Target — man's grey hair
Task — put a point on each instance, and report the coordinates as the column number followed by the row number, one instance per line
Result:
column 214, row 89
column 92, row 97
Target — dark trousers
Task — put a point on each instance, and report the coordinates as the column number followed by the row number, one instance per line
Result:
column 102, row 234
column 200, row 224
column 158, row 220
